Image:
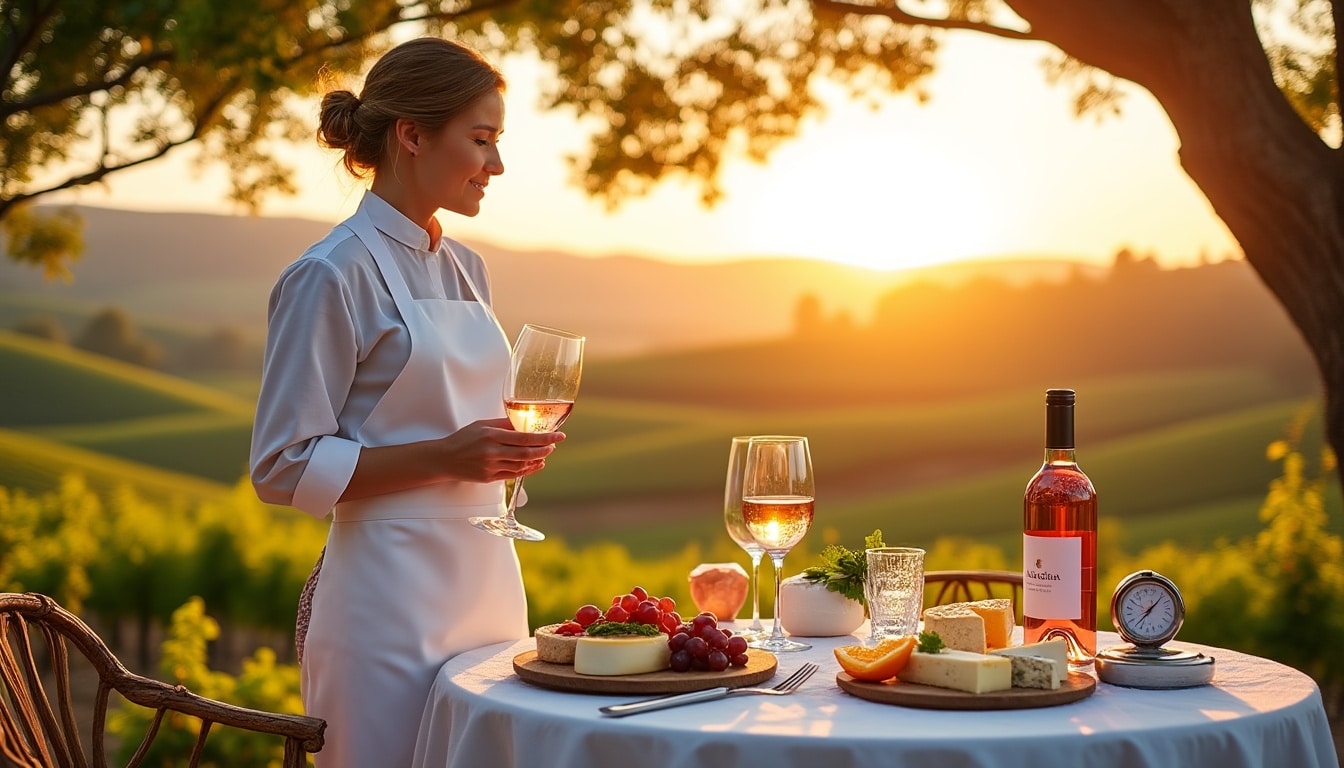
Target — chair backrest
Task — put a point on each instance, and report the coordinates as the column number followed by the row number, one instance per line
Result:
column 965, row 586
column 40, row 729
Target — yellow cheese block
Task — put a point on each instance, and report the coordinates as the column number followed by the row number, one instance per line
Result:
column 959, row 670
column 999, row 620
column 632, row 655
column 961, row 628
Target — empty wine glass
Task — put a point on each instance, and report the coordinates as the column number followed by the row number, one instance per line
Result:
column 777, row 499
column 741, row 534
column 539, row 392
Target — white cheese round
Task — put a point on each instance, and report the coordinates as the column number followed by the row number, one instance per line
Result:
column 630, row 655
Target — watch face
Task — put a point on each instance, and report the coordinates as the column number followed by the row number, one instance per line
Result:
column 1148, row 614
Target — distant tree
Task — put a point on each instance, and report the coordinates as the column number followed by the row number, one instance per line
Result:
column 224, row 349
column 1249, row 86
column 112, row 334
column 807, row 318
column 42, row 327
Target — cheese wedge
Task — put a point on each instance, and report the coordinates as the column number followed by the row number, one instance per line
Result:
column 1034, row 672
column 631, row 655
column 961, row 628
column 1029, row 674
column 959, row 670
column 999, row 620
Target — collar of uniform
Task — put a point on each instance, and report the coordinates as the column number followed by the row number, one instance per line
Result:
column 393, row 223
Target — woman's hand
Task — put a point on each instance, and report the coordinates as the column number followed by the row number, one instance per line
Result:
column 482, row 452
column 491, row 449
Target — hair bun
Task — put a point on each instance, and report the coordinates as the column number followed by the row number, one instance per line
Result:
column 336, row 124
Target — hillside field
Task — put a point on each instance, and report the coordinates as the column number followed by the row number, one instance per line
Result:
column 1175, row 455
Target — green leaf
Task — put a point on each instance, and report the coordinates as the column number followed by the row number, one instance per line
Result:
column 930, row 642
column 843, row 570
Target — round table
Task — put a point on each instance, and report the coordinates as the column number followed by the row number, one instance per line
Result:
column 1255, row 713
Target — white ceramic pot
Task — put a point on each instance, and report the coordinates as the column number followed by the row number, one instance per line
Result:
column 809, row 609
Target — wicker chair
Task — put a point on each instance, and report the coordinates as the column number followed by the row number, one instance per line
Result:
column 960, row 586
column 40, row 730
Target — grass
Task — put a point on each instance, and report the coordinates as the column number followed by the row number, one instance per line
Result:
column 36, row 465
column 1177, row 455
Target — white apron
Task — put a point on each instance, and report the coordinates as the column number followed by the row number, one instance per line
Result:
column 406, row 582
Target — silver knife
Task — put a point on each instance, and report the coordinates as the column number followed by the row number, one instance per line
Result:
column 664, row 702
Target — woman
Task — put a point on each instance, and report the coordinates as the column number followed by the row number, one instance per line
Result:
column 381, row 403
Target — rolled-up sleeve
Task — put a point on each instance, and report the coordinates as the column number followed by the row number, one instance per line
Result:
column 312, row 347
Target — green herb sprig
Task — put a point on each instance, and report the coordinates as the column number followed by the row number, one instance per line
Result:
column 617, row 628
column 843, row 570
column 930, row 642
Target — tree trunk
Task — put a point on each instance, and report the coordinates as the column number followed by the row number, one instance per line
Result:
column 1270, row 178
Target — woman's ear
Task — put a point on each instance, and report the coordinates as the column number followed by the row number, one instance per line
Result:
column 408, row 135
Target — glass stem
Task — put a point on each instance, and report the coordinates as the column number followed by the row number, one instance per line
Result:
column 756, row 592
column 777, row 632
column 509, row 508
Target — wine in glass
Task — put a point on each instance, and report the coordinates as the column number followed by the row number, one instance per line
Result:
column 539, row 392
column 741, row 534
column 777, row 497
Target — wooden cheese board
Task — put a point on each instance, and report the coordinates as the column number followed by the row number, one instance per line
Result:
column 1077, row 687
column 562, row 677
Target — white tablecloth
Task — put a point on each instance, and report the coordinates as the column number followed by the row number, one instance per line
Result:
column 1256, row 714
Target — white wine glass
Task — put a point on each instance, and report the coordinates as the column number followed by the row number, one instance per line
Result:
column 777, row 499
column 741, row 534
column 539, row 393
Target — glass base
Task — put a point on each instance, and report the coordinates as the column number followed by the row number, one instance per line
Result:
column 752, row 635
column 507, row 527
column 781, row 645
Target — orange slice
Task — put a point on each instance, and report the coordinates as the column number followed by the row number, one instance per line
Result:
column 881, row 662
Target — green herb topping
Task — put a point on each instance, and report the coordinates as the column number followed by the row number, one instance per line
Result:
column 843, row 570
column 929, row 642
column 617, row 628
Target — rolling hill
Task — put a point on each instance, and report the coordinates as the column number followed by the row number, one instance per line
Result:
column 1174, row 455
column 177, row 271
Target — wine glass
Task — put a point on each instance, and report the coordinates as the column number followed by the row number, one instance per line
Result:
column 741, row 534
column 777, row 498
column 539, row 392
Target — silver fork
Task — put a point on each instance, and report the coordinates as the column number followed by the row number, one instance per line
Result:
column 786, row 686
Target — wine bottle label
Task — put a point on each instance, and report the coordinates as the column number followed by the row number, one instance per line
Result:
column 1052, row 577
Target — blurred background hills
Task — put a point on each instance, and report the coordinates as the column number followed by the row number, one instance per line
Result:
column 921, row 390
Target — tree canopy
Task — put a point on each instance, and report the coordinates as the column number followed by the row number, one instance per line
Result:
column 673, row 86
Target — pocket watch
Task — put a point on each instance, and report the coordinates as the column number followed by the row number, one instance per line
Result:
column 1147, row 610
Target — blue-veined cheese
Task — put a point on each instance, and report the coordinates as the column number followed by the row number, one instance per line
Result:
column 1029, row 661
column 631, row 655
column 959, row 670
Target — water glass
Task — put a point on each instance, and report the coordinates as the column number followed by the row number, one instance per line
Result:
column 894, row 589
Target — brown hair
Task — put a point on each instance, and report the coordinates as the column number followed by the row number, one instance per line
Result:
column 428, row 80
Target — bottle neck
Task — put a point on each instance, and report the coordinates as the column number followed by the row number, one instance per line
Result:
column 1058, row 456
column 1059, row 434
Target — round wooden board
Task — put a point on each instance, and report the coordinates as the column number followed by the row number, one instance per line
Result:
column 562, row 677
column 1077, row 687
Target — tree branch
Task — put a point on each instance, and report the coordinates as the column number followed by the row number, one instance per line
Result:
column 56, row 97
column 12, row 54
column 895, row 13
column 374, row 29
column 1337, row 16
column 93, row 176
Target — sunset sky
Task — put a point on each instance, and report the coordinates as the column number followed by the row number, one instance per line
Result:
column 994, row 164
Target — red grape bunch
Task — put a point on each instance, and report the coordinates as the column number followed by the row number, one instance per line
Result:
column 634, row 607
column 699, row 644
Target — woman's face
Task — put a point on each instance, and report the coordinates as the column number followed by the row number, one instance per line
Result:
column 456, row 163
